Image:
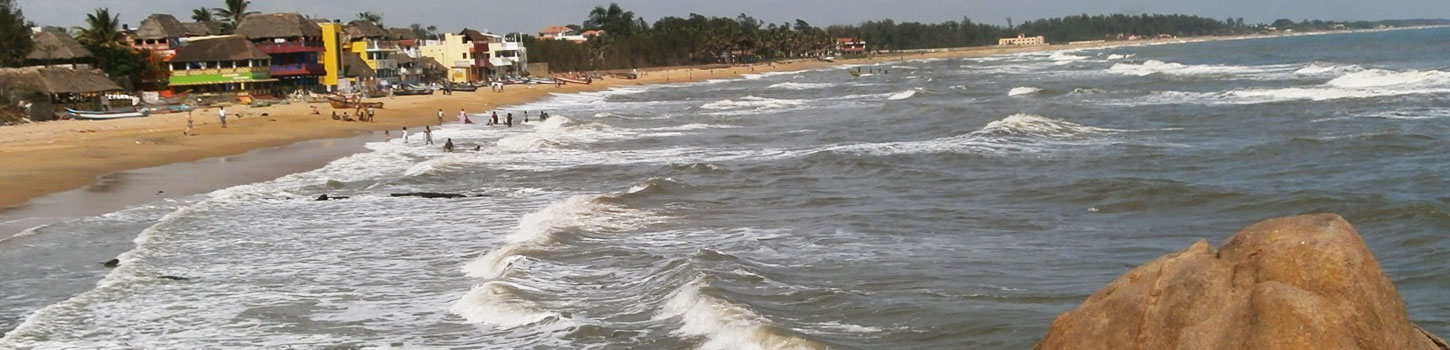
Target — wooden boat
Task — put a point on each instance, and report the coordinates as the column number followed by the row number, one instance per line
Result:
column 465, row 87
column 339, row 103
column 376, row 93
column 412, row 92
column 855, row 73
column 572, row 80
column 99, row 115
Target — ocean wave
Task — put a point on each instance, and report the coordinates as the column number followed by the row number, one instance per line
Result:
column 1116, row 56
column 584, row 212
column 1381, row 78
column 1318, row 68
column 1015, row 133
column 1151, row 67
column 904, row 94
column 752, row 102
column 1023, row 90
column 800, row 86
column 499, row 303
column 558, row 132
column 723, row 324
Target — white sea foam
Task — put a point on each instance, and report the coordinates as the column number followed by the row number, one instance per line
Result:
column 1151, row 67
column 584, row 212
column 498, row 303
column 1023, row 90
column 1384, row 78
column 1036, row 125
column 752, row 102
column 724, row 325
column 800, row 86
column 1015, row 133
column 1318, row 68
column 1114, row 57
column 904, row 94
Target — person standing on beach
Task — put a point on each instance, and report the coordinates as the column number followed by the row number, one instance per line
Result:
column 187, row 132
column 440, row 116
column 222, row 113
column 462, row 117
column 427, row 135
column 370, row 114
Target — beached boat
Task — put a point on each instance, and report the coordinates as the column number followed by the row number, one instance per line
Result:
column 572, row 80
column 99, row 115
column 412, row 92
column 854, row 73
column 339, row 103
column 465, row 87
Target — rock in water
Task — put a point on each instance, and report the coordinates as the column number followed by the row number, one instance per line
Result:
column 1302, row 282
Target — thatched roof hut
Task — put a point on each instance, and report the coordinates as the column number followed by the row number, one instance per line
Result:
column 278, row 25
column 219, row 48
column 160, row 26
column 403, row 34
column 365, row 29
column 56, row 46
column 202, row 28
column 473, row 35
column 58, row 80
column 355, row 67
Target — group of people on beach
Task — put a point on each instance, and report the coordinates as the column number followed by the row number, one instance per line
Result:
column 493, row 120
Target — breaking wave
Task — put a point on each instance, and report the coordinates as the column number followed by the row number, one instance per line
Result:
column 1023, row 90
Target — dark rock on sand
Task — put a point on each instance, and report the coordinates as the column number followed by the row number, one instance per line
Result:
column 1302, row 282
column 430, row 195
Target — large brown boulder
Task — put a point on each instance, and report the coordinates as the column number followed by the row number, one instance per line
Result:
column 1302, row 282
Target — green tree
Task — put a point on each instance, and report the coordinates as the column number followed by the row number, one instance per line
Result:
column 123, row 65
column 102, row 30
column 376, row 18
column 201, row 15
column 233, row 13
column 15, row 40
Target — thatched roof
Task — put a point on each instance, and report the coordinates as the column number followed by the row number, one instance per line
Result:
column 355, row 67
column 160, row 26
column 365, row 29
column 202, row 28
column 54, row 45
column 219, row 48
column 403, row 34
column 278, row 25
column 473, row 35
column 57, row 80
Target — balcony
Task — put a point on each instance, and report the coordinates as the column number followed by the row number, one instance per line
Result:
column 385, row 64
column 220, row 71
column 507, row 46
column 290, row 47
column 463, row 63
column 501, row 61
column 299, row 69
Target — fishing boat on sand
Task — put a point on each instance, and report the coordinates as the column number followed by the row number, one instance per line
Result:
column 104, row 115
column 572, row 80
column 344, row 103
column 412, row 92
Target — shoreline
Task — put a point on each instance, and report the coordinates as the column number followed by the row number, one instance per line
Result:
column 43, row 159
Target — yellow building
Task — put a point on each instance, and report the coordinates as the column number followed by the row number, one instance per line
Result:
column 453, row 53
column 332, row 57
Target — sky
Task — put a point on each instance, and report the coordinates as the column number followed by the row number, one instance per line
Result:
column 504, row 16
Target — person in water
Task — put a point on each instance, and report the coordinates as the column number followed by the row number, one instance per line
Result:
column 427, row 135
column 510, row 121
column 495, row 118
column 448, row 145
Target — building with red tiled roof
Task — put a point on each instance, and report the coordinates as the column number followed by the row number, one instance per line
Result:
column 850, row 46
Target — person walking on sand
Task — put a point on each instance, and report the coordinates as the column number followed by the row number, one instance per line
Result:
column 187, row 132
column 440, row 116
column 427, row 135
column 222, row 113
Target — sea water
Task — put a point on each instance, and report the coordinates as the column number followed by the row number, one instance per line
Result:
column 934, row 204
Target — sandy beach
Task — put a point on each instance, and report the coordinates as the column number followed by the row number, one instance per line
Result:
column 41, row 158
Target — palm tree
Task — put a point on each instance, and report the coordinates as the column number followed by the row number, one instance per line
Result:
column 376, row 18
column 235, row 11
column 201, row 15
column 101, row 29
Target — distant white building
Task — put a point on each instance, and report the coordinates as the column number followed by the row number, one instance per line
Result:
column 1022, row 40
